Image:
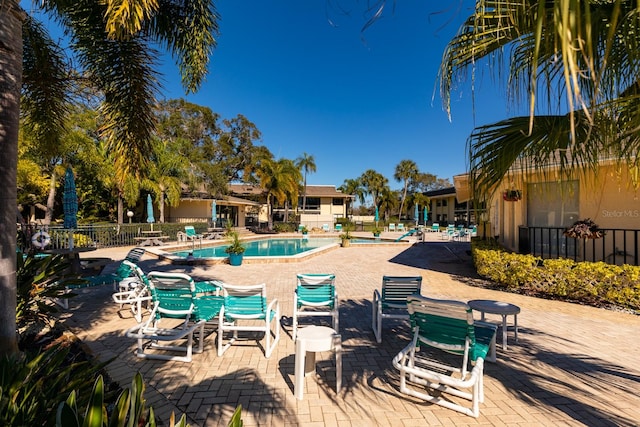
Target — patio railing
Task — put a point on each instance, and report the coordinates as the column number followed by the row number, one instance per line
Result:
column 617, row 246
column 98, row 235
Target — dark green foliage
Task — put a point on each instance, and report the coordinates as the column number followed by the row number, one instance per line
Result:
column 31, row 384
column 39, row 279
column 129, row 410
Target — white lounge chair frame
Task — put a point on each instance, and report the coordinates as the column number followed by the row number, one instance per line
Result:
column 137, row 291
column 447, row 326
column 315, row 295
column 173, row 296
column 248, row 303
column 391, row 301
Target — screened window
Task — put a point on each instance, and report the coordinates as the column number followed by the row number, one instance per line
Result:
column 552, row 204
column 313, row 203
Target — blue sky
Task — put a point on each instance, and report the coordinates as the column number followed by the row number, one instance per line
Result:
column 312, row 81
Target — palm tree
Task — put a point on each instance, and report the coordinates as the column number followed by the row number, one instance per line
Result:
column 281, row 181
column 406, row 171
column 166, row 173
column 305, row 163
column 353, row 187
column 585, row 51
column 374, row 184
column 118, row 58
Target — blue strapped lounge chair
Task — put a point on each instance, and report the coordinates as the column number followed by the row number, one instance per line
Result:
column 175, row 300
column 391, row 301
column 445, row 326
column 315, row 295
column 248, row 303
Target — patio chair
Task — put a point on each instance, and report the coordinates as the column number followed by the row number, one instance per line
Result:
column 137, row 292
column 122, row 273
column 435, row 227
column 325, row 228
column 445, row 326
column 315, row 295
column 338, row 228
column 392, row 226
column 243, row 303
column 391, row 301
column 175, row 302
column 189, row 234
column 400, row 227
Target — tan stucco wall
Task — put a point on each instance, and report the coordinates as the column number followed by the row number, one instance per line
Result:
column 608, row 199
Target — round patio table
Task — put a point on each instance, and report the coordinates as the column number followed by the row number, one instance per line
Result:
column 504, row 309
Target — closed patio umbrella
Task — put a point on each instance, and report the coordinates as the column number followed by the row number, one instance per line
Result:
column 214, row 214
column 150, row 218
column 70, row 204
column 377, row 217
column 426, row 214
column 416, row 214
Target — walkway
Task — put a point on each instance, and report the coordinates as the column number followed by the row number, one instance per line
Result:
column 573, row 366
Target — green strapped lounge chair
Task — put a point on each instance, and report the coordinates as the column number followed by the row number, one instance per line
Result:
column 136, row 292
column 248, row 303
column 391, row 301
column 446, row 326
column 315, row 295
column 175, row 300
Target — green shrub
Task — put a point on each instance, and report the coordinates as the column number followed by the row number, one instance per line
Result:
column 39, row 279
column 129, row 409
column 594, row 283
column 31, row 384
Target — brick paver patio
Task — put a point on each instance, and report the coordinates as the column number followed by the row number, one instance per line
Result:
column 574, row 365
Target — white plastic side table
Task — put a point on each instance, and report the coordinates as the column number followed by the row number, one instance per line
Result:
column 310, row 340
column 504, row 309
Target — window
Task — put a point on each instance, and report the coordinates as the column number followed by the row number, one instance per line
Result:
column 337, row 201
column 552, row 204
column 312, row 204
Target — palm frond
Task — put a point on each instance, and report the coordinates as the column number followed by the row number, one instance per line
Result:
column 188, row 29
column 125, row 18
column 45, row 84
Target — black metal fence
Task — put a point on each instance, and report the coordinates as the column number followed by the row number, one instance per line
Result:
column 94, row 235
column 617, row 246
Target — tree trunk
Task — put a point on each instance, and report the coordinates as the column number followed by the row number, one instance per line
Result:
column 120, row 208
column 161, row 207
column 11, row 18
column 48, row 215
column 269, row 212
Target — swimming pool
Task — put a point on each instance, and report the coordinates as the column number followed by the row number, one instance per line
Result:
column 271, row 247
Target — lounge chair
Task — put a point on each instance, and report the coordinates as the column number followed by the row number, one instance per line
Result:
column 315, row 295
column 175, row 300
column 136, row 293
column 391, row 301
column 123, row 274
column 445, row 326
column 189, row 234
column 248, row 303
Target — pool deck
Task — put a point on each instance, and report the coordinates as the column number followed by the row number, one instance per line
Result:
column 573, row 365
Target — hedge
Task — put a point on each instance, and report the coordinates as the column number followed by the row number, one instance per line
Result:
column 593, row 283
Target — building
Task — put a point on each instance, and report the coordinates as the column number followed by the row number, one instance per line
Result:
column 529, row 212
column 246, row 207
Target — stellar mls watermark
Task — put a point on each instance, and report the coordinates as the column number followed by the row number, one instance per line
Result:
column 629, row 213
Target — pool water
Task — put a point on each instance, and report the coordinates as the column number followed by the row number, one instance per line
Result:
column 263, row 248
